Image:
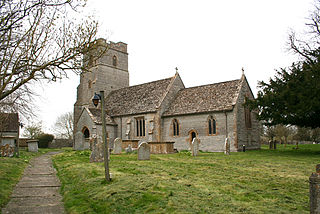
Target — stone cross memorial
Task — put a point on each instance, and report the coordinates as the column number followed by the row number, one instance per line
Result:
column 195, row 147
column 117, row 146
column 144, row 151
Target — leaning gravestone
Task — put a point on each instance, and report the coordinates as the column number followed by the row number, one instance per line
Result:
column 227, row 146
column 195, row 146
column 117, row 146
column 144, row 151
column 129, row 149
column 97, row 150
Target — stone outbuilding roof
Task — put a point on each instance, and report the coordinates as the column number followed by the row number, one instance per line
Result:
column 95, row 114
column 137, row 99
column 9, row 122
column 208, row 98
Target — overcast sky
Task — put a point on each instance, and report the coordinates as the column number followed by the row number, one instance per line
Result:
column 209, row 41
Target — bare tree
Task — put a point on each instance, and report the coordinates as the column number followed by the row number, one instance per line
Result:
column 41, row 40
column 33, row 131
column 308, row 46
column 64, row 126
column 282, row 133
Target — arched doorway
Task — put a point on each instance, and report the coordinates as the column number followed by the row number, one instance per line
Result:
column 86, row 132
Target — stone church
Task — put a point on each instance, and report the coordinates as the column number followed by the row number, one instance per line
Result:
column 163, row 110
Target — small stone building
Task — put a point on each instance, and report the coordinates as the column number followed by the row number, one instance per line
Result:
column 9, row 129
column 163, row 110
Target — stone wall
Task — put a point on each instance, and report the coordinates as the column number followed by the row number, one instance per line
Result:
column 84, row 121
column 127, row 125
column 59, row 143
column 103, row 76
column 246, row 136
column 199, row 124
column 173, row 89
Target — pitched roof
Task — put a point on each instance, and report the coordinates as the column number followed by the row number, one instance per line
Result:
column 137, row 99
column 95, row 114
column 9, row 122
column 207, row 98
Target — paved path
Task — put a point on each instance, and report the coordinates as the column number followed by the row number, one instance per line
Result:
column 38, row 189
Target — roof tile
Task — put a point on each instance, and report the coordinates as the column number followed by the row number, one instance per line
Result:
column 207, row 98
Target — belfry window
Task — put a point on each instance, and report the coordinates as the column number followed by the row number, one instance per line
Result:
column 212, row 129
column 140, row 127
column 114, row 61
column 175, row 127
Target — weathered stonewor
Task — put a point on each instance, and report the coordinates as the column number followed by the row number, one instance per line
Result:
column 33, row 145
column 129, row 149
column 144, row 151
column 227, row 146
column 195, row 146
column 314, row 181
column 97, row 150
column 117, row 146
column 6, row 151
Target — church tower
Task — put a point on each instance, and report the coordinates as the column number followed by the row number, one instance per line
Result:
column 108, row 73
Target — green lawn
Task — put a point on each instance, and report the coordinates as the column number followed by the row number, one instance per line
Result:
column 261, row 181
column 11, row 170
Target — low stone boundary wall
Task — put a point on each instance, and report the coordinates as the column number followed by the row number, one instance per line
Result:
column 59, row 143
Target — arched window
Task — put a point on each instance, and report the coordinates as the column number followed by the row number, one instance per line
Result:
column 212, row 129
column 175, row 127
column 114, row 61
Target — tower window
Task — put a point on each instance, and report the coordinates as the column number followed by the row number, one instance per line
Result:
column 175, row 127
column 212, row 129
column 114, row 61
column 140, row 127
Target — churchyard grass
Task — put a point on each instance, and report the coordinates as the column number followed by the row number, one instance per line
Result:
column 263, row 181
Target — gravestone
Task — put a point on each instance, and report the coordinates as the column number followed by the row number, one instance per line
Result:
column 314, row 182
column 129, row 149
column 227, row 146
column 78, row 138
column 6, row 151
column 195, row 146
column 97, row 150
column 117, row 146
column 139, row 142
column 144, row 151
column 32, row 145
